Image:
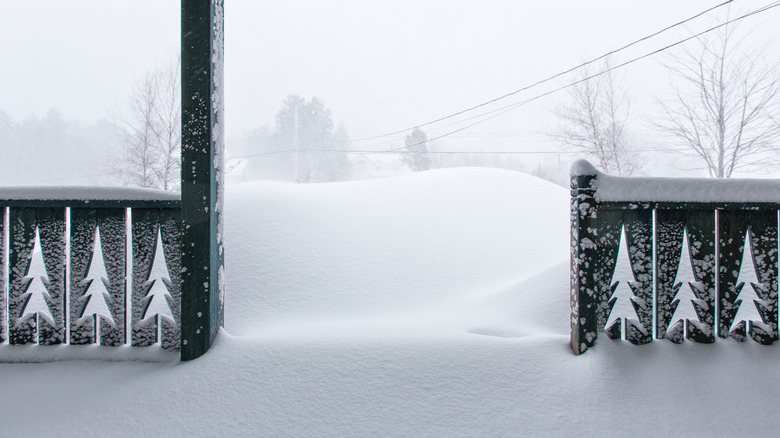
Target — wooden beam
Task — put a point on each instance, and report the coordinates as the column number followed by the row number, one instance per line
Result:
column 202, row 184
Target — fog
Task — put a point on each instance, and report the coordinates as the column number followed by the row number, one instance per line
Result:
column 379, row 67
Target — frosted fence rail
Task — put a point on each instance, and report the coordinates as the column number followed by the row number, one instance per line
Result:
column 711, row 245
column 66, row 253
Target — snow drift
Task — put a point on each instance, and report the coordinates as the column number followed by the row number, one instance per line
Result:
column 433, row 304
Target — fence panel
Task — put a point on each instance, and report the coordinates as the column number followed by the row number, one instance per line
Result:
column 708, row 245
column 93, row 307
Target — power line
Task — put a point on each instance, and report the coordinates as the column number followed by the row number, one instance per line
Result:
column 488, row 102
column 483, row 117
column 444, row 152
column 505, row 109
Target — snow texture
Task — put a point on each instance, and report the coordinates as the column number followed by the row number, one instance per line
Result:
column 685, row 275
column 623, row 308
column 433, row 305
column 86, row 193
column 637, row 189
column 37, row 282
column 747, row 285
column 97, row 288
column 156, row 284
column 218, row 138
column 97, row 268
column 688, row 289
column 37, row 242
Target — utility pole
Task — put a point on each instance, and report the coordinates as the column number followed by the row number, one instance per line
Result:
column 295, row 146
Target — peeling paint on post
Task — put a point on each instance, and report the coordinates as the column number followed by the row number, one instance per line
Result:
column 202, row 166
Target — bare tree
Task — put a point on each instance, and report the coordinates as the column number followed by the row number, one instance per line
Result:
column 726, row 104
column 169, row 126
column 594, row 121
column 151, row 132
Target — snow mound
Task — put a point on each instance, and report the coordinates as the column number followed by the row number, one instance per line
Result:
column 429, row 305
column 366, row 250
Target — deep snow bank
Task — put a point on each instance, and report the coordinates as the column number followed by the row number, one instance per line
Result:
column 430, row 305
column 377, row 248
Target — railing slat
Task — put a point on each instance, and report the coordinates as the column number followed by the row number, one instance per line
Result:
column 145, row 223
column 761, row 227
column 156, row 276
column 83, row 222
column 3, row 276
column 21, row 241
column 637, row 226
column 112, row 224
column 51, row 226
column 93, row 263
column 43, row 227
column 170, row 233
column 699, row 228
column 608, row 232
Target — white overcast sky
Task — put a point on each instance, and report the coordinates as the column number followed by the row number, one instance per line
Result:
column 379, row 65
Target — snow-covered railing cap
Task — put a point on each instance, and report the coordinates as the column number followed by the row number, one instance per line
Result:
column 690, row 190
column 63, row 196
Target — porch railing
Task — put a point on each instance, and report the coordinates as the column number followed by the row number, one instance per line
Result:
column 90, row 265
column 175, row 250
column 709, row 244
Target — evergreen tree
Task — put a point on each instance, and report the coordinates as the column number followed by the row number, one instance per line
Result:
column 151, row 131
column 305, row 131
column 416, row 151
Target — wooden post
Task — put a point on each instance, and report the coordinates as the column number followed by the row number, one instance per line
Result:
column 202, row 184
column 583, row 258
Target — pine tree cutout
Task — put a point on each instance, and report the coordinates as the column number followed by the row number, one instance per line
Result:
column 747, row 298
column 36, row 284
column 623, row 302
column 157, row 300
column 686, row 289
column 96, row 295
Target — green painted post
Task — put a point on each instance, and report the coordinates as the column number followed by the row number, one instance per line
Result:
column 202, row 183
column 584, row 254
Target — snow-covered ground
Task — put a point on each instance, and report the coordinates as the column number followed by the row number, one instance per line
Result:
column 432, row 304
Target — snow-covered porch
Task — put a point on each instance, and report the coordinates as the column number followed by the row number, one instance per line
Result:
column 69, row 250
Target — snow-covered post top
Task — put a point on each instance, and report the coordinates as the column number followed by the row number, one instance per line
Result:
column 584, row 178
column 608, row 188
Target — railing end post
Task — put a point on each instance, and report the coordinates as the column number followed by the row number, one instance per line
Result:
column 584, row 182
